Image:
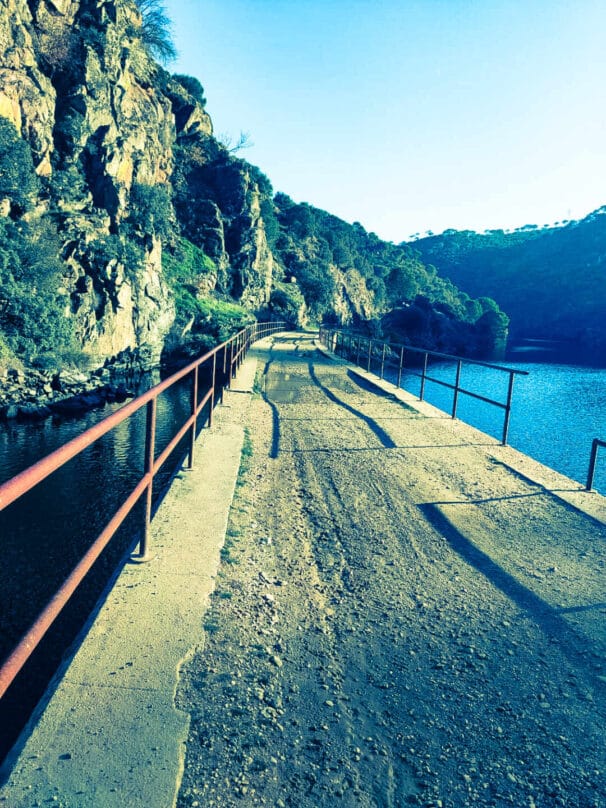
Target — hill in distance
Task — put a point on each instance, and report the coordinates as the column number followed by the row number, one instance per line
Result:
column 550, row 281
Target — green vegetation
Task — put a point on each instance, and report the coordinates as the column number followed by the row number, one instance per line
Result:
column 193, row 86
column 156, row 30
column 18, row 180
column 286, row 303
column 414, row 304
column 151, row 210
column 35, row 321
column 185, row 266
column 550, row 281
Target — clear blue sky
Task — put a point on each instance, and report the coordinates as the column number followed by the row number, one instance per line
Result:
column 411, row 115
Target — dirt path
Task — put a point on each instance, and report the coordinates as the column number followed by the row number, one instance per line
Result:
column 398, row 620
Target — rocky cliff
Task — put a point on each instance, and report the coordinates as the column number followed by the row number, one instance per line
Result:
column 127, row 229
column 109, row 132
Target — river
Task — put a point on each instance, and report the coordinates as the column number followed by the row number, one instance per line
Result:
column 45, row 533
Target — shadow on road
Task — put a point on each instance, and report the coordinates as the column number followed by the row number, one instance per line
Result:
column 548, row 619
column 380, row 433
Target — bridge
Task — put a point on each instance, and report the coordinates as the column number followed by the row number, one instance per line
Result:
column 350, row 597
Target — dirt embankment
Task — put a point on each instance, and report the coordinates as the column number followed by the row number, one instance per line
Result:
column 398, row 620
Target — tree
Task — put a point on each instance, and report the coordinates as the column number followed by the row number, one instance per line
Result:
column 156, row 30
column 234, row 145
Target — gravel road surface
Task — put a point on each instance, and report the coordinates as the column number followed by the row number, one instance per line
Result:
column 399, row 618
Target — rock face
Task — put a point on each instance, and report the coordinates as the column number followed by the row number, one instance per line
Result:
column 127, row 227
column 107, row 127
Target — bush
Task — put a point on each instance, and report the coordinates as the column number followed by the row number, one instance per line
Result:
column 182, row 268
column 31, row 280
column 287, row 303
column 192, row 86
column 151, row 210
column 18, row 179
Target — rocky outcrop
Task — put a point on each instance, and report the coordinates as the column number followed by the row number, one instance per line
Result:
column 352, row 299
column 104, row 123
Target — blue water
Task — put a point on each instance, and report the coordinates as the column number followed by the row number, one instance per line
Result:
column 557, row 410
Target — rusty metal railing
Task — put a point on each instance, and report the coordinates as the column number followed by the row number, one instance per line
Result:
column 593, row 460
column 363, row 350
column 228, row 356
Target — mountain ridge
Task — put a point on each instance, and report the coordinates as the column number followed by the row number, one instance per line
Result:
column 551, row 281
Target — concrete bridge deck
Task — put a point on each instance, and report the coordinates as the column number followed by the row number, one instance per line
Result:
column 406, row 613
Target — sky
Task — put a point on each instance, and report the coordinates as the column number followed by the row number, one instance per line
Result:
column 410, row 115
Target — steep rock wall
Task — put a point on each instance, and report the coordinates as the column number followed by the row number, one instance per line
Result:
column 103, row 121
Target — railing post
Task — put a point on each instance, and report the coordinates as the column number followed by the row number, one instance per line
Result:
column 383, row 361
column 212, row 391
column 592, row 461
column 400, row 366
column 455, row 397
column 368, row 358
column 194, row 407
column 358, row 351
column 150, row 449
column 508, row 409
column 422, row 391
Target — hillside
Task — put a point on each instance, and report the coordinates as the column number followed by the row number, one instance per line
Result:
column 128, row 230
column 550, row 281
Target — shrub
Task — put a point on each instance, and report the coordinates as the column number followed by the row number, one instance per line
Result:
column 287, row 303
column 151, row 209
column 18, row 180
column 193, row 87
column 31, row 280
column 182, row 267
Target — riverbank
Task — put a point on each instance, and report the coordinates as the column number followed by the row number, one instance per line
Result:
column 28, row 394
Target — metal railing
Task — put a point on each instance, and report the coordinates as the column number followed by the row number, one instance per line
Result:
column 593, row 460
column 364, row 350
column 223, row 363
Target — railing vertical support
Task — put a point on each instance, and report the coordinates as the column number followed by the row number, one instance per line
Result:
column 194, row 407
column 150, row 449
column 212, row 392
column 369, row 352
column 422, row 391
column 223, row 374
column 358, row 353
column 455, row 397
column 383, row 361
column 593, row 460
column 508, row 409
column 400, row 366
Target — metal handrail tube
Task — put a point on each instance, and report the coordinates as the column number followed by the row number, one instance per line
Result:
column 593, row 460
column 440, row 355
column 328, row 335
column 19, row 485
column 47, row 616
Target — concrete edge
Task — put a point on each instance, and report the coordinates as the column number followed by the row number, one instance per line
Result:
column 111, row 733
column 573, row 493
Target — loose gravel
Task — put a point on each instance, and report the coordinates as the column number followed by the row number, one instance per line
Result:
column 399, row 619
